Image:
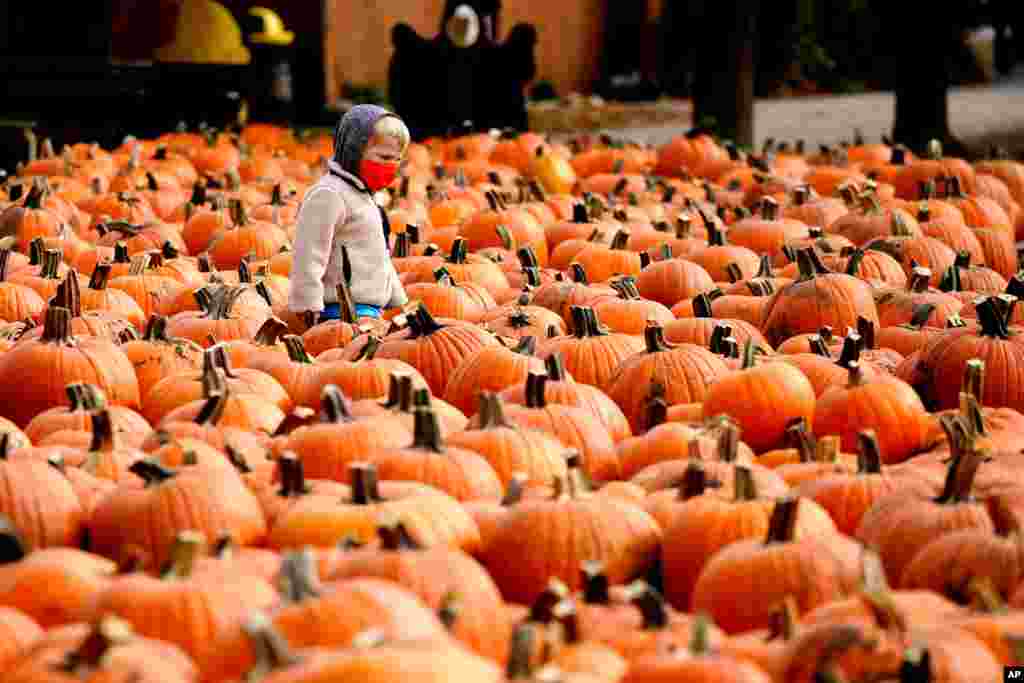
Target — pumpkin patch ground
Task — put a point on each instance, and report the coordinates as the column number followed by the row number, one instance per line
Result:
column 676, row 413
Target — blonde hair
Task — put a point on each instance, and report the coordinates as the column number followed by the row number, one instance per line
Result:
column 393, row 127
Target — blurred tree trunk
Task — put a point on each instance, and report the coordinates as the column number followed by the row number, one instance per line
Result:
column 920, row 65
column 723, row 92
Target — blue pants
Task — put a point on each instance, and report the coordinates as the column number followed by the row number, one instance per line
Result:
column 333, row 312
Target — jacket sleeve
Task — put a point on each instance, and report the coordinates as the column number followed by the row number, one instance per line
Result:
column 398, row 295
column 314, row 238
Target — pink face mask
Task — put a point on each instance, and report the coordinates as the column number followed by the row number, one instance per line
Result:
column 377, row 174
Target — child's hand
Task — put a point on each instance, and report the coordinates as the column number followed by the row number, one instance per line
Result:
column 310, row 318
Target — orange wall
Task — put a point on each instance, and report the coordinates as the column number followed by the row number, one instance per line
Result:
column 568, row 48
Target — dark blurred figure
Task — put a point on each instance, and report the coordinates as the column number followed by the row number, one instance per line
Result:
column 463, row 79
column 1008, row 20
column 919, row 62
column 623, row 76
column 269, row 90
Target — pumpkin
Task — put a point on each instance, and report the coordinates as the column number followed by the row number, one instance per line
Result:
column 580, row 525
column 66, row 360
column 817, row 298
column 686, row 372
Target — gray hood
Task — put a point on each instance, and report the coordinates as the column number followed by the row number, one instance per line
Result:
column 353, row 133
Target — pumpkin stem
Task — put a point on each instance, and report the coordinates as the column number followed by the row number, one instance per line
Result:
column 595, row 583
column 156, row 329
column 869, row 456
column 578, row 273
column 297, row 580
column 492, row 411
column 370, row 348
column 69, row 294
column 459, row 251
column 334, row 407
column 716, row 236
column 292, row 476
column 684, row 226
column 651, row 605
column 527, row 257
column 568, row 619
column 854, row 373
column 185, row 550
column 541, row 609
column 399, row 392
column 866, row 332
column 920, row 316
column 91, row 397
column 296, row 349
column 782, row 525
column 535, row 386
column 216, row 401
column 103, row 637
column 394, row 536
column 700, row 641
column 401, row 248
column 799, row 438
column 744, row 485
column 782, row 624
column 827, row 449
column 809, row 264
column 728, row 441
column 655, row 405
column 103, row 436
column 695, row 481
column 972, row 414
column 448, row 612
column 917, row 665
column 100, row 276
column 732, row 270
column 985, row 596
column 514, row 489
column 919, row 279
column 964, row 464
column 974, row 378
column 364, row 482
column 993, row 324
column 12, row 547
column 426, row 430
column 817, row 346
column 520, row 658
column 422, row 324
column 57, row 326
column 151, row 472
column 270, row 647
column 851, row 350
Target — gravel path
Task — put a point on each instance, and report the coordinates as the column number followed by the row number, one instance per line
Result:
column 979, row 116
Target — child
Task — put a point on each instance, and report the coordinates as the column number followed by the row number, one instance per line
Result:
column 340, row 210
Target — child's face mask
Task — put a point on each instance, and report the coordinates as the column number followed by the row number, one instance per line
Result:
column 380, row 163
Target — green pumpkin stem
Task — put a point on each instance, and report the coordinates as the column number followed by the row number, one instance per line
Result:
column 744, row 486
column 519, row 666
column 271, row 651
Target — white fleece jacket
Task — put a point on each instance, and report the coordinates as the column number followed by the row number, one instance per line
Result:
column 333, row 214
